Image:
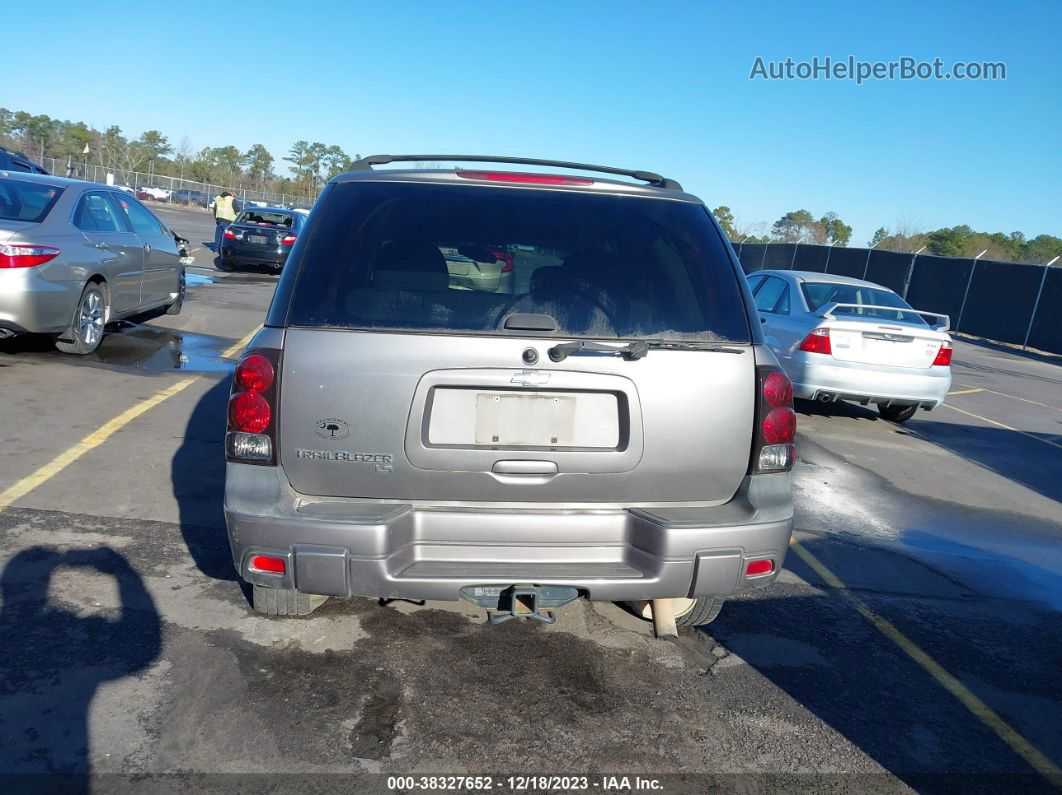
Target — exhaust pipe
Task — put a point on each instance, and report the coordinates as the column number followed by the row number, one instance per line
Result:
column 825, row 397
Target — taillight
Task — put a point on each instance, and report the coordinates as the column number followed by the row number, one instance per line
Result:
column 533, row 179
column 228, row 234
column 505, row 257
column 757, row 568
column 249, row 412
column 21, row 255
column 773, row 449
column 251, row 436
column 943, row 356
column 817, row 341
column 287, row 240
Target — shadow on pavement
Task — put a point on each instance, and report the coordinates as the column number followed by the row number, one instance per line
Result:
column 1012, row 455
column 54, row 659
column 821, row 653
column 198, row 476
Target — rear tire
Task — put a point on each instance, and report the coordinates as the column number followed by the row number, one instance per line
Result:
column 223, row 264
column 284, row 601
column 897, row 413
column 691, row 612
column 705, row 610
column 86, row 328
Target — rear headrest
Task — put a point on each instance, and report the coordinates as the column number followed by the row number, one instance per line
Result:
column 591, row 265
column 550, row 280
column 411, row 265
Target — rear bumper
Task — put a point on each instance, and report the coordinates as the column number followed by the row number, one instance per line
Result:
column 254, row 255
column 30, row 303
column 409, row 551
column 819, row 377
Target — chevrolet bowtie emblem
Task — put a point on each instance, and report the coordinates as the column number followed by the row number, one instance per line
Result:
column 530, row 378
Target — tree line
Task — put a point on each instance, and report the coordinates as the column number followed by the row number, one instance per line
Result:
column 801, row 226
column 40, row 136
column 313, row 163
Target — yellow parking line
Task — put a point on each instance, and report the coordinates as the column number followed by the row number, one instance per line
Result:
column 1011, row 397
column 27, row 484
column 1002, row 425
column 984, row 713
column 965, row 391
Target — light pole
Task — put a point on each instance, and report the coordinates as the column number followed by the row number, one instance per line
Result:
column 1036, row 305
column 910, row 272
column 969, row 281
column 866, row 265
column 829, row 250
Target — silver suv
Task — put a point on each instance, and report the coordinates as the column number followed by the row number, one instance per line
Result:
column 609, row 426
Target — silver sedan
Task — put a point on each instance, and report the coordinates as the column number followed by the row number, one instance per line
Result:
column 75, row 256
column 846, row 339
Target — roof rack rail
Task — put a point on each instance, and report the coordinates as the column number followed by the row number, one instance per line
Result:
column 657, row 181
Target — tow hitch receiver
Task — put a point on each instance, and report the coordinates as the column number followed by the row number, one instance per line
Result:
column 520, row 601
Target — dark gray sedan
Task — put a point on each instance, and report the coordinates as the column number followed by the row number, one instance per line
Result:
column 75, row 256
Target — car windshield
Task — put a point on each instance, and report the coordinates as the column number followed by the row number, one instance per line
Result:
column 468, row 259
column 26, row 201
column 265, row 218
column 867, row 300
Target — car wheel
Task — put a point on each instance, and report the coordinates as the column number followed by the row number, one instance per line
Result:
column 182, row 288
column 86, row 329
column 284, row 601
column 223, row 264
column 897, row 413
column 688, row 612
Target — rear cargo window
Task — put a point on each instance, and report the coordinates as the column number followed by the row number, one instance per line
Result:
column 440, row 258
column 26, row 201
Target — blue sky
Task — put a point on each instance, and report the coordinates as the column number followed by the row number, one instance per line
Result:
column 661, row 86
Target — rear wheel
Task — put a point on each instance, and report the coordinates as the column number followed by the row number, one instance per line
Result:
column 897, row 413
column 284, row 601
column 86, row 328
column 688, row 612
column 223, row 264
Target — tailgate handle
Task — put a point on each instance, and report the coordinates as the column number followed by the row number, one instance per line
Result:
column 517, row 467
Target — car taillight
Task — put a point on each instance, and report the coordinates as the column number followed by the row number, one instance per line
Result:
column 287, row 240
column 20, row 255
column 817, row 341
column 228, row 234
column 269, row 563
column 943, row 358
column 773, row 449
column 505, row 257
column 533, row 179
column 251, row 436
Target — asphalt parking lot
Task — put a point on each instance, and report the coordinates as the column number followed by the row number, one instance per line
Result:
column 914, row 640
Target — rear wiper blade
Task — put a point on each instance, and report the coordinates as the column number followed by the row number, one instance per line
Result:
column 633, row 350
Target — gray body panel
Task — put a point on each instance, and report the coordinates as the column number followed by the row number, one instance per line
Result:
column 42, row 299
column 685, row 415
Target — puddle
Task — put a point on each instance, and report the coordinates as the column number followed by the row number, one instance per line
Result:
column 158, row 349
column 197, row 279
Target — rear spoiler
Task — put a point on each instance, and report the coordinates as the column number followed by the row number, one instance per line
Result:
column 945, row 319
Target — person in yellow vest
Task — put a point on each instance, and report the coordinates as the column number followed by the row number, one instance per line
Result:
column 224, row 214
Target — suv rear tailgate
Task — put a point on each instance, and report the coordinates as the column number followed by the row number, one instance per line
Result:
column 363, row 414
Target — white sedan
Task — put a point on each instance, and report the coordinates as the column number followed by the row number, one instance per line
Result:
column 846, row 339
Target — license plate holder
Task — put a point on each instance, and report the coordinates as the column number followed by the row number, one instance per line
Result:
column 535, row 420
column 258, row 240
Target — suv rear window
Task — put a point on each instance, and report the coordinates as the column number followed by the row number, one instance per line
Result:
column 461, row 259
column 26, row 201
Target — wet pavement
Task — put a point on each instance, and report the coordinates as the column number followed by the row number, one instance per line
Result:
column 129, row 647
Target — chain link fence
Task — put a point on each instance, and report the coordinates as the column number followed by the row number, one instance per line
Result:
column 1009, row 302
column 169, row 189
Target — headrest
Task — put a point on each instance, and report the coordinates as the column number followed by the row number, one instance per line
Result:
column 411, row 265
